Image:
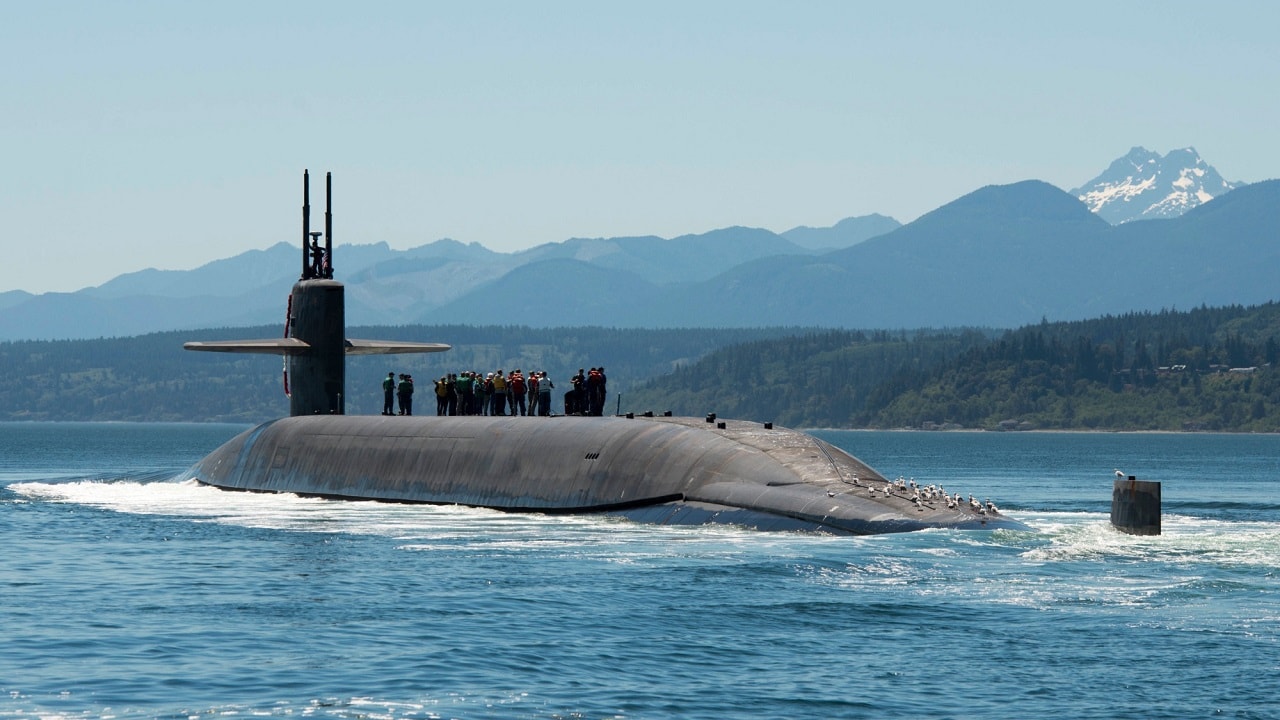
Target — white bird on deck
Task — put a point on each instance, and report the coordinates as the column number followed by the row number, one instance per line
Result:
column 1119, row 474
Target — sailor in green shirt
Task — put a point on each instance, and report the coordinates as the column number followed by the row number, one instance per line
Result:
column 405, row 391
column 389, row 394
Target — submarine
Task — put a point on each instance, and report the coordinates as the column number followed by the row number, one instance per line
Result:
column 654, row 469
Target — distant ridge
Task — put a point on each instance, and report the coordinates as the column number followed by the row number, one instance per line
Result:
column 999, row 257
column 847, row 232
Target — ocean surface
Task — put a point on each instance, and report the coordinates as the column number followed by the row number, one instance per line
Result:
column 126, row 591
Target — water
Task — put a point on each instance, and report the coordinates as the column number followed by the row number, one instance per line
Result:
column 125, row 592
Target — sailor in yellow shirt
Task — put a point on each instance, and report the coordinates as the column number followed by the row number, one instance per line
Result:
column 499, row 394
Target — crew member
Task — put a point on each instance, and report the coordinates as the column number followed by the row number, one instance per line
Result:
column 515, row 382
column 442, row 395
column 544, row 394
column 595, row 402
column 499, row 394
column 575, row 400
column 389, row 394
column 405, row 391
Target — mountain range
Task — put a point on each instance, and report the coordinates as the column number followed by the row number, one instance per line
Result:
column 1001, row 256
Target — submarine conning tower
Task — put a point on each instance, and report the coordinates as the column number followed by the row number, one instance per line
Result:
column 315, row 345
column 317, row 317
column 318, row 377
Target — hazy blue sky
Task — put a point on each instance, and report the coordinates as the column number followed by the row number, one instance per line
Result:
column 169, row 134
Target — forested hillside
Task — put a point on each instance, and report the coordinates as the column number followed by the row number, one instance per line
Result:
column 817, row 379
column 150, row 377
column 1207, row 369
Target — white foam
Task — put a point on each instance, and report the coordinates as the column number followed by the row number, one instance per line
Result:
column 415, row 527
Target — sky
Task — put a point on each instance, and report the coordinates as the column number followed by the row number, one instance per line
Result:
column 170, row 134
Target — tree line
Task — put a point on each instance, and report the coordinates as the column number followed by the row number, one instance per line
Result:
column 1203, row 369
column 151, row 378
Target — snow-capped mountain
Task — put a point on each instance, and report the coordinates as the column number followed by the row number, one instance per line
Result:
column 1142, row 185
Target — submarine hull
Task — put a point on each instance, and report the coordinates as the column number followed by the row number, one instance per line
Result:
column 658, row 470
